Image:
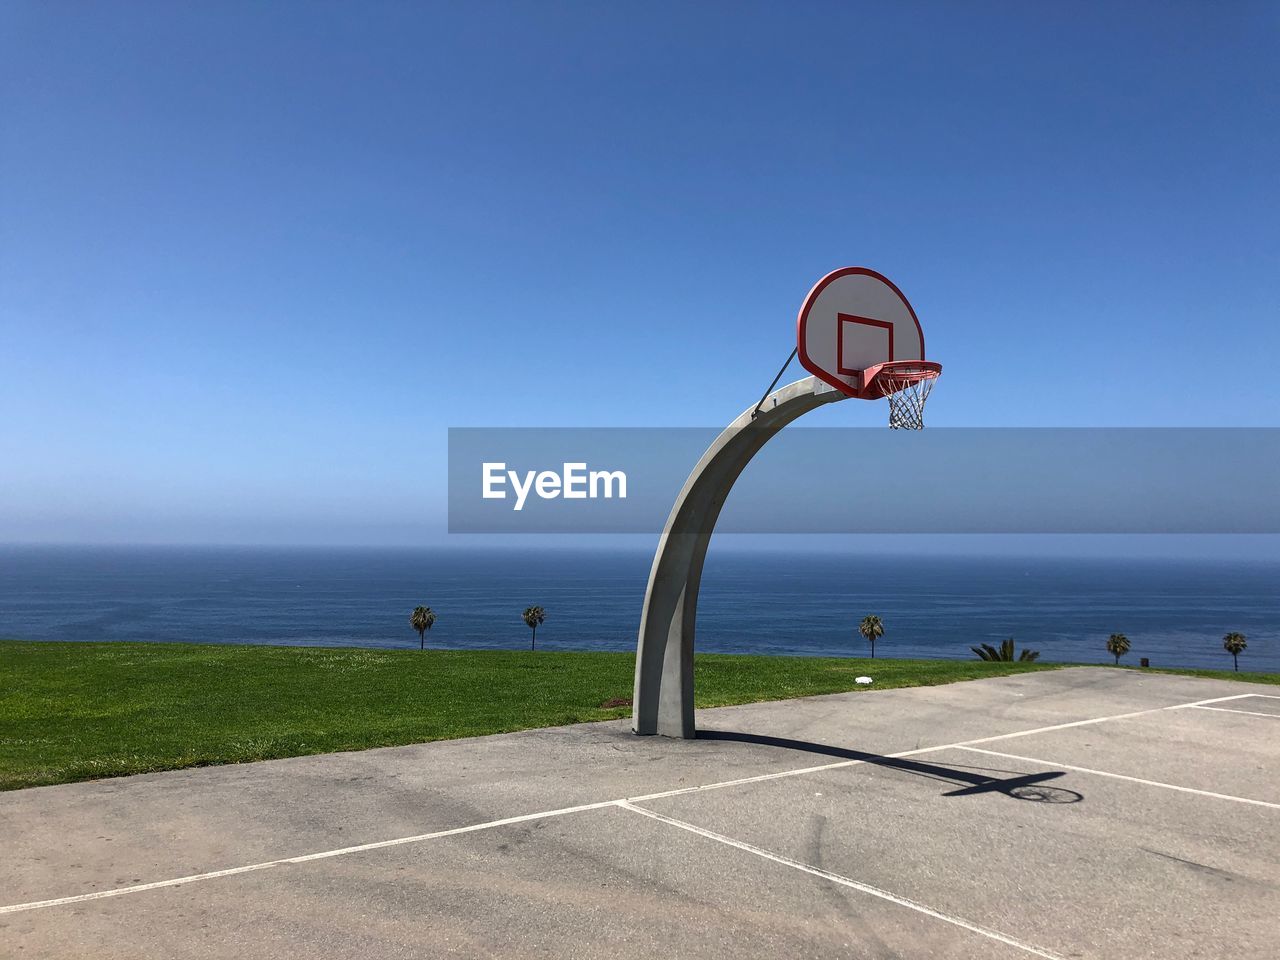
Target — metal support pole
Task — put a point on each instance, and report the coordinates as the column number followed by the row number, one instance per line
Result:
column 663, row 701
column 765, row 396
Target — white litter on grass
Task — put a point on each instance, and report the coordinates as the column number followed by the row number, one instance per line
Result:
column 861, row 679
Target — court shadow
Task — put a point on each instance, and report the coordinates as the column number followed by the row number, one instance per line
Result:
column 1029, row 787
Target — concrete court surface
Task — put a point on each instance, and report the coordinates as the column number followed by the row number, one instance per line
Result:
column 1076, row 813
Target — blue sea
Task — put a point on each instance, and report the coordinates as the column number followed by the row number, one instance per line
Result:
column 1174, row 612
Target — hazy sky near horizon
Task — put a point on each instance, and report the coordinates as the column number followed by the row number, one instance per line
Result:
column 255, row 259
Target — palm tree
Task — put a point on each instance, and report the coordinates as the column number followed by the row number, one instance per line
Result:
column 533, row 617
column 870, row 628
column 421, row 620
column 1117, row 646
column 1005, row 652
column 1234, row 644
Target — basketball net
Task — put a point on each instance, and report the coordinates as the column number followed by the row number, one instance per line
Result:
column 906, row 386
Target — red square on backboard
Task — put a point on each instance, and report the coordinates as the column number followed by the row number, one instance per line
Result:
column 861, row 342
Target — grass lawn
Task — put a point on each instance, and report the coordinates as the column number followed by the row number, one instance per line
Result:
column 77, row 711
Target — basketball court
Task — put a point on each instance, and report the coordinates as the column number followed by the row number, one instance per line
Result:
column 1075, row 813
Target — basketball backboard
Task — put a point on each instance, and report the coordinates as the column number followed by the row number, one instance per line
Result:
column 853, row 321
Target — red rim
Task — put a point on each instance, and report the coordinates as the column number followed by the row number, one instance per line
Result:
column 901, row 373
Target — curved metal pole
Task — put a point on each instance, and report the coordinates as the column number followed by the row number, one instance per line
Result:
column 663, row 701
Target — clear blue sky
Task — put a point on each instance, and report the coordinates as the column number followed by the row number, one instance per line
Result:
column 256, row 258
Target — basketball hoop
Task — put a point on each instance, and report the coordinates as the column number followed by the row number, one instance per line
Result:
column 906, row 384
column 857, row 333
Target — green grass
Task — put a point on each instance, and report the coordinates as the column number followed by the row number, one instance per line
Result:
column 78, row 711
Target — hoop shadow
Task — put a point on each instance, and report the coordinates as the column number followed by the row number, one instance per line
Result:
column 1029, row 787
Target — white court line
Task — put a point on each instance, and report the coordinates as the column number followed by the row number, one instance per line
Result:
column 342, row 851
column 782, row 774
column 1118, row 716
column 1121, row 776
column 1235, row 696
column 843, row 881
column 305, row 858
column 1250, row 713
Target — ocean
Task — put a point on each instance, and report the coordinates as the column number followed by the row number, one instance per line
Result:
column 1174, row 612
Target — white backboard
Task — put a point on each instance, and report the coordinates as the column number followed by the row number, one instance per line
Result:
column 853, row 319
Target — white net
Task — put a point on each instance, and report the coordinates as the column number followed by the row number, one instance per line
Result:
column 907, row 388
